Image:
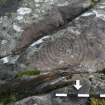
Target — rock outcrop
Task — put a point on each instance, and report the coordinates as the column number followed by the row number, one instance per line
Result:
column 73, row 50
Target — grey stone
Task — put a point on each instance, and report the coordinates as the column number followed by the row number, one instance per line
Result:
column 88, row 35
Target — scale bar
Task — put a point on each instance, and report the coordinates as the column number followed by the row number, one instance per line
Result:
column 83, row 95
column 60, row 95
column 79, row 95
column 102, row 95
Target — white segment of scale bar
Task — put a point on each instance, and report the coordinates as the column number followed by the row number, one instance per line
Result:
column 83, row 95
column 60, row 95
column 102, row 95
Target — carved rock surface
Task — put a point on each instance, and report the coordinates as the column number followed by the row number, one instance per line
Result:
column 53, row 21
column 81, row 45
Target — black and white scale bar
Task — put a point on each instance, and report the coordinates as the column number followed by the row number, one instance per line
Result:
column 65, row 95
column 61, row 95
column 79, row 95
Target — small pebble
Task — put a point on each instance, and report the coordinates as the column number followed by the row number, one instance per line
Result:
column 24, row 10
column 17, row 28
column 4, row 41
column 37, row 5
column 19, row 17
column 87, row 14
column 5, row 60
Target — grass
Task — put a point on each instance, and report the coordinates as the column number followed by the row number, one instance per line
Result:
column 7, row 97
column 94, row 2
column 27, row 73
column 2, row 2
column 95, row 101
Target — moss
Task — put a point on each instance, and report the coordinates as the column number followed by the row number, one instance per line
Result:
column 93, row 2
column 95, row 101
column 27, row 73
column 7, row 97
column 10, row 95
column 3, row 2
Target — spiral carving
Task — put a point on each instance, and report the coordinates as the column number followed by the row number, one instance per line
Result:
column 66, row 50
column 74, row 48
column 79, row 45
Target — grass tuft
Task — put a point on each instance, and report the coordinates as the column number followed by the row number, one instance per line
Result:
column 27, row 73
column 3, row 2
column 95, row 101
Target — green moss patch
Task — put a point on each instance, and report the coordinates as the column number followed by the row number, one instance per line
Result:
column 27, row 73
column 6, row 97
column 3, row 2
column 95, row 101
column 6, row 100
column 94, row 2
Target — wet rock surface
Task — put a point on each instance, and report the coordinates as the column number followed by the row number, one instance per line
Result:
column 81, row 45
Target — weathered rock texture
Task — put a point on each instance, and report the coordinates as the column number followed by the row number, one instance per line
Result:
column 76, row 48
column 81, row 46
column 55, row 19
